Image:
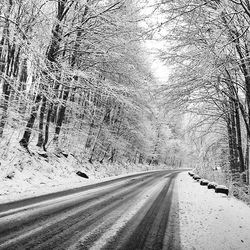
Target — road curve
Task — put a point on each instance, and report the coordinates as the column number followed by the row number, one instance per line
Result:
column 131, row 212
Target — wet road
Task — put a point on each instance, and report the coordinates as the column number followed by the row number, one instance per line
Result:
column 131, row 212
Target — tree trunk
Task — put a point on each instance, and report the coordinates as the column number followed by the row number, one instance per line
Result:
column 4, row 106
column 6, row 60
column 88, row 141
column 46, row 134
column 105, row 154
column 41, row 118
column 61, row 115
column 247, row 162
column 112, row 157
column 239, row 138
column 234, row 137
column 6, row 89
column 141, row 159
column 230, row 146
column 26, row 136
column 52, row 55
column 94, row 145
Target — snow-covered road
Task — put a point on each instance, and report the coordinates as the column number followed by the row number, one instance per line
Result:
column 127, row 213
column 150, row 210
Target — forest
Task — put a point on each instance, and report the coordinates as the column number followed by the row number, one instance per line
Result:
column 77, row 77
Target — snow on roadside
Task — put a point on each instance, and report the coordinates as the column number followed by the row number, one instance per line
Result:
column 23, row 175
column 35, row 175
column 209, row 220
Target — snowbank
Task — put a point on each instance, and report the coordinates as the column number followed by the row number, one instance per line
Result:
column 210, row 221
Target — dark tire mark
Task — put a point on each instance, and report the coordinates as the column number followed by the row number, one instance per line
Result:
column 33, row 200
column 149, row 233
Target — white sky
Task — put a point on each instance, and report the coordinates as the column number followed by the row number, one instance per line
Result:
column 160, row 71
column 152, row 47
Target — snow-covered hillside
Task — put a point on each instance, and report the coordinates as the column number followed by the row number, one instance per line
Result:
column 23, row 175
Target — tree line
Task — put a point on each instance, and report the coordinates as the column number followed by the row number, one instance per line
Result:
column 73, row 74
column 208, row 50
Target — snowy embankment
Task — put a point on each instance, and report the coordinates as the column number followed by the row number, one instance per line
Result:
column 208, row 220
column 23, row 175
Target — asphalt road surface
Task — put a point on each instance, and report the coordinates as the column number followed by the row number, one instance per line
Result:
column 129, row 213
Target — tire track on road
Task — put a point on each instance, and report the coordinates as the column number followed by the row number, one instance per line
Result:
column 148, row 227
column 63, row 230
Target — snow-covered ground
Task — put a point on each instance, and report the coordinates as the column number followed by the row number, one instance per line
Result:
column 204, row 219
column 19, row 188
column 210, row 221
column 23, row 176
